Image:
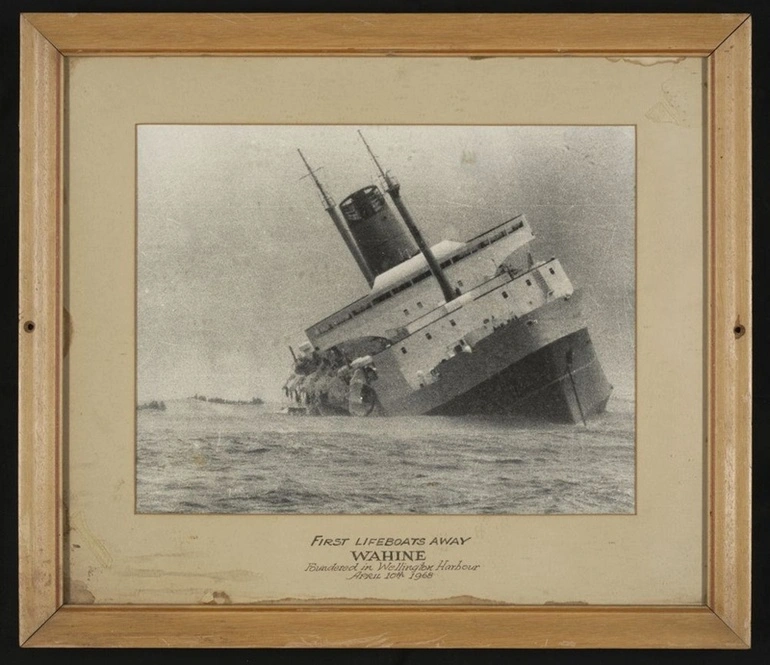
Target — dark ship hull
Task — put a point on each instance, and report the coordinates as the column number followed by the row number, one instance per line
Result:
column 539, row 366
column 542, row 385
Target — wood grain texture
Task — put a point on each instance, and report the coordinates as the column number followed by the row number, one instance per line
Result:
column 729, row 593
column 577, row 627
column 378, row 34
column 723, row 623
column 40, row 306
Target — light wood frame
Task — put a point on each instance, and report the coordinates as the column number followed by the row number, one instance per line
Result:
column 723, row 40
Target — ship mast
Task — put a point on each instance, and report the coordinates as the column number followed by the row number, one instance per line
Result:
column 393, row 188
column 331, row 209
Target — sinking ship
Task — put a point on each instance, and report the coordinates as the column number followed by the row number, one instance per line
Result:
column 473, row 327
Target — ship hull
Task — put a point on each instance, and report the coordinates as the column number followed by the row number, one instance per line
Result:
column 542, row 385
column 542, row 365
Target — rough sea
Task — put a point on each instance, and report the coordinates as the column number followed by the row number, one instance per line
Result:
column 200, row 457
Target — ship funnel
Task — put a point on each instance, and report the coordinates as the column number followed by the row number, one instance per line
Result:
column 343, row 230
column 382, row 239
column 393, row 188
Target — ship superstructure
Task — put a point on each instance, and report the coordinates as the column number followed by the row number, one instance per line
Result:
column 477, row 326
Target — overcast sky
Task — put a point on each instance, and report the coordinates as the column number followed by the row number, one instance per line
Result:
column 236, row 255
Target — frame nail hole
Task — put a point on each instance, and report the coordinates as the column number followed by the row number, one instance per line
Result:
column 29, row 326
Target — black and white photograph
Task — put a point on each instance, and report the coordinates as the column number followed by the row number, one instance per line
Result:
column 378, row 319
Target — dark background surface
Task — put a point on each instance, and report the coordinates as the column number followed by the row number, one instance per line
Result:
column 8, row 396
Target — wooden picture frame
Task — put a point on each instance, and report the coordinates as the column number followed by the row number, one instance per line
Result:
column 723, row 621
